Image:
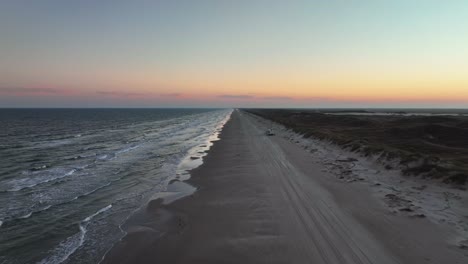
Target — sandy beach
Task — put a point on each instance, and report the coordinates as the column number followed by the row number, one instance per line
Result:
column 263, row 199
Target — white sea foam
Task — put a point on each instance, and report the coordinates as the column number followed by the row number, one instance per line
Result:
column 165, row 145
column 103, row 157
column 127, row 149
column 102, row 210
column 61, row 203
column 67, row 247
column 35, row 179
column 26, row 215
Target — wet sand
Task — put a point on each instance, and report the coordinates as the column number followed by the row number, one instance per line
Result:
column 262, row 200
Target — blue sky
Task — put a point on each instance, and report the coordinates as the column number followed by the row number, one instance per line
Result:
column 317, row 53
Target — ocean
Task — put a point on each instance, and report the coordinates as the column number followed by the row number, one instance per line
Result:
column 70, row 178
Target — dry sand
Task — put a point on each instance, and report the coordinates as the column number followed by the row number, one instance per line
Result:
column 262, row 200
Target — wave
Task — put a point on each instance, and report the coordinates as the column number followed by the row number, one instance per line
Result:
column 80, row 157
column 93, row 147
column 67, row 247
column 29, row 182
column 45, row 208
column 54, row 143
column 187, row 134
column 102, row 210
column 127, row 149
column 105, row 157
column 111, row 156
column 26, row 215
column 38, row 168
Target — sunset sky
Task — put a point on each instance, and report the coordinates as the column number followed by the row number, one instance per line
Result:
column 328, row 53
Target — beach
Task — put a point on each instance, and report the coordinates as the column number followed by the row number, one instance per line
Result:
column 266, row 199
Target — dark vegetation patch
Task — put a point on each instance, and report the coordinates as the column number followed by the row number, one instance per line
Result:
column 428, row 146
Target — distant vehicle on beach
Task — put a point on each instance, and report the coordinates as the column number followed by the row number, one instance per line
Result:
column 270, row 132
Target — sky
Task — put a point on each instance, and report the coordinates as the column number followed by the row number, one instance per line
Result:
column 244, row 53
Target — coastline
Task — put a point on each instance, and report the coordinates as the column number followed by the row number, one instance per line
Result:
column 261, row 207
column 162, row 216
column 152, row 216
column 73, row 183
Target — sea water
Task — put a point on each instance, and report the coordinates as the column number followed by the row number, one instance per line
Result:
column 70, row 178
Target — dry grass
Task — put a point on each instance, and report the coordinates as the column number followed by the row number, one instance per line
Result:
column 429, row 146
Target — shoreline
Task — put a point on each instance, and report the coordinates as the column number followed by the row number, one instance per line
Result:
column 151, row 221
column 67, row 204
column 254, row 206
column 140, row 229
